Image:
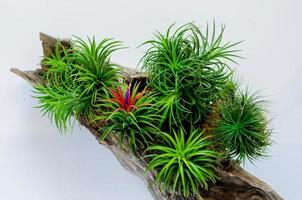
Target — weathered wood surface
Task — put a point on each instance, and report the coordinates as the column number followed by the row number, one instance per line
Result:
column 234, row 184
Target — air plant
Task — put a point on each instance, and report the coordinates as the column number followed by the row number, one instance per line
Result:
column 126, row 101
column 95, row 72
column 188, row 70
column 131, row 114
column 75, row 79
column 184, row 164
column 241, row 128
column 57, row 96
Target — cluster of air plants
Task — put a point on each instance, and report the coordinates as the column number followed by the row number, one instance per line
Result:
column 190, row 74
column 76, row 78
column 188, row 118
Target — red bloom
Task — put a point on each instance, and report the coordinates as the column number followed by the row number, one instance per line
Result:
column 125, row 100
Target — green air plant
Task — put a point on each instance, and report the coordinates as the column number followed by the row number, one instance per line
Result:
column 240, row 126
column 188, row 70
column 183, row 163
column 131, row 114
column 60, row 102
column 75, row 79
column 95, row 72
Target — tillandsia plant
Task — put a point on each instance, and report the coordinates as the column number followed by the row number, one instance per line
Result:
column 184, row 161
column 130, row 114
column 76, row 78
column 188, row 70
column 95, row 71
column 240, row 126
column 57, row 96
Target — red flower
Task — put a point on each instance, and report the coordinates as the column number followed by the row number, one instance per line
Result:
column 125, row 100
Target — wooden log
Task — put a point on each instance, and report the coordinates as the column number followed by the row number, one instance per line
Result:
column 234, row 182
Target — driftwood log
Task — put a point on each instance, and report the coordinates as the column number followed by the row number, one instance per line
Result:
column 234, row 184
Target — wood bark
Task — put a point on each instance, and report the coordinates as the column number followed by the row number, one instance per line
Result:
column 234, row 182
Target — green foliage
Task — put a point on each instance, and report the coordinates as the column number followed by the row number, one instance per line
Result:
column 240, row 126
column 184, row 164
column 95, row 73
column 60, row 103
column 190, row 85
column 76, row 78
column 130, row 114
column 188, row 71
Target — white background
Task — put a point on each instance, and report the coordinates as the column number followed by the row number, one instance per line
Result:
column 38, row 163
